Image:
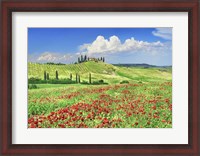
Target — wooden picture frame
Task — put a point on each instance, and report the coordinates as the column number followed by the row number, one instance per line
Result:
column 9, row 6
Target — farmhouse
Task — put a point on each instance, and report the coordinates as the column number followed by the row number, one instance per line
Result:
column 93, row 59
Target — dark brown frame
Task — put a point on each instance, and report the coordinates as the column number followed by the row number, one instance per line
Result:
column 9, row 6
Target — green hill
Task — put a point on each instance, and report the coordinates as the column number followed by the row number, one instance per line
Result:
column 99, row 70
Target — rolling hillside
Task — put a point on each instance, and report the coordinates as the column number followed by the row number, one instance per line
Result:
column 99, row 70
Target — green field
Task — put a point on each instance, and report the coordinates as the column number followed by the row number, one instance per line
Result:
column 144, row 102
column 99, row 70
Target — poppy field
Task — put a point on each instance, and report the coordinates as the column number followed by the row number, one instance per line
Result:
column 99, row 77
column 132, row 105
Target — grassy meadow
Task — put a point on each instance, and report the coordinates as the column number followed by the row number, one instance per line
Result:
column 129, row 97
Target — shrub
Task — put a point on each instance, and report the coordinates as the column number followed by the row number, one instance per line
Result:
column 32, row 86
column 33, row 80
column 51, row 81
column 96, row 82
column 101, row 81
column 84, row 82
column 61, row 81
column 52, row 63
column 124, row 81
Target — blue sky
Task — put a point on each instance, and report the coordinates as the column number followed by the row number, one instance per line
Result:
column 117, row 45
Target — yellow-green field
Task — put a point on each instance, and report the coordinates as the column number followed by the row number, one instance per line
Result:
column 144, row 102
column 99, row 70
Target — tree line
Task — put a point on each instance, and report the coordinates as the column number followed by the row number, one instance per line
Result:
column 70, row 80
column 78, row 77
column 85, row 58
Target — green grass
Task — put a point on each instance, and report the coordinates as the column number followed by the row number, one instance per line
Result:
column 109, row 73
column 144, row 102
column 114, row 101
column 42, row 86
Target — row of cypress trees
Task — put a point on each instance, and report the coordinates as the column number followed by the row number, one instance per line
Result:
column 46, row 75
column 85, row 59
column 78, row 77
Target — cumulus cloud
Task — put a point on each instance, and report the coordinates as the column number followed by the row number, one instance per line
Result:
column 47, row 56
column 51, row 57
column 102, row 45
column 165, row 33
column 114, row 49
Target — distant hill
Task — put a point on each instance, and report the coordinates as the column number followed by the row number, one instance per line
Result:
column 140, row 65
column 100, row 70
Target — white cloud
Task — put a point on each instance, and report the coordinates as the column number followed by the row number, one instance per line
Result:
column 114, row 45
column 114, row 49
column 165, row 33
column 51, row 57
column 47, row 56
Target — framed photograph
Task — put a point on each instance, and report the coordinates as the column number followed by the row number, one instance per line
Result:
column 100, row 77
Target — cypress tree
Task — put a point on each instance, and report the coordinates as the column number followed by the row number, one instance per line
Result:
column 45, row 75
column 103, row 59
column 90, row 78
column 56, row 75
column 81, row 58
column 79, row 79
column 70, row 76
column 85, row 59
column 76, row 78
